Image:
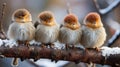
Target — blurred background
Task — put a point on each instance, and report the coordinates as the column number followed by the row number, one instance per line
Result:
column 110, row 20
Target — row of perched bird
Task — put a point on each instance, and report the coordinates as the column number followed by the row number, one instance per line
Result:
column 90, row 34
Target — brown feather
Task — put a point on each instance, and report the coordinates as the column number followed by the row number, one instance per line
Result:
column 93, row 16
column 21, row 15
column 71, row 18
column 46, row 16
column 93, row 20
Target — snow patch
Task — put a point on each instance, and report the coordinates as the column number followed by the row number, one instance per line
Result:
column 59, row 45
column 34, row 42
column 9, row 43
column 12, row 43
column 106, row 51
column 48, row 63
column 1, row 42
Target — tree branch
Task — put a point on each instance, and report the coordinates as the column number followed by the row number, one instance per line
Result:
column 107, row 9
column 2, row 33
column 113, row 39
column 68, row 7
column 110, row 56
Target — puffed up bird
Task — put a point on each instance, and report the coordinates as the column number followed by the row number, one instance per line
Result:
column 70, row 32
column 22, row 29
column 48, row 30
column 94, row 34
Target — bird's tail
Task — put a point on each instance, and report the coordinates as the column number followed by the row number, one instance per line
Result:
column 15, row 62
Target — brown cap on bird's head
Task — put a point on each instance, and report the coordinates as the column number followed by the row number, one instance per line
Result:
column 70, row 18
column 93, row 16
column 93, row 20
column 46, row 16
column 21, row 14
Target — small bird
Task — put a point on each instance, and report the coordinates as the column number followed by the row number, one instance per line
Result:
column 94, row 34
column 47, row 31
column 22, row 29
column 70, row 33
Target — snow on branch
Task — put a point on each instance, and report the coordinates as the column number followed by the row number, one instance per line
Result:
column 113, row 39
column 107, row 9
column 105, row 55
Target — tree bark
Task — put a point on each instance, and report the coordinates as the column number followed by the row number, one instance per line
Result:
column 75, row 55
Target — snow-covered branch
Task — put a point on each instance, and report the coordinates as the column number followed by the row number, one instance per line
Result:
column 113, row 39
column 105, row 55
column 107, row 9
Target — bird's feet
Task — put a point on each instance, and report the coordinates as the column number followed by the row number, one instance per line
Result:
column 20, row 42
column 73, row 47
column 96, row 48
column 43, row 45
column 51, row 45
column 67, row 47
column 27, row 43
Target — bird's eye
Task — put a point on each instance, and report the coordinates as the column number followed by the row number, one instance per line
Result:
column 73, row 24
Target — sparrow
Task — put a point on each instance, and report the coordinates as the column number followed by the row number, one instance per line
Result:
column 47, row 31
column 94, row 34
column 70, row 32
column 22, row 29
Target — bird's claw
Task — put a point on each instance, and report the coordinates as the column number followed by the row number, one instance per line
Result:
column 51, row 45
column 96, row 48
column 27, row 44
column 67, row 47
column 43, row 46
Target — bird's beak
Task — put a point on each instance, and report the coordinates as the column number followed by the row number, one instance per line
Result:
column 94, row 23
column 83, row 24
column 21, row 16
column 74, row 26
column 48, row 21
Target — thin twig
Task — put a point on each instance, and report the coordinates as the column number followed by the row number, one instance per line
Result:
column 68, row 6
column 2, row 33
column 96, row 4
column 2, row 15
column 107, row 9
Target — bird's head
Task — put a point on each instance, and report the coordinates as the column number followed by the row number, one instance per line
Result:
column 21, row 16
column 47, row 18
column 71, row 21
column 93, row 20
